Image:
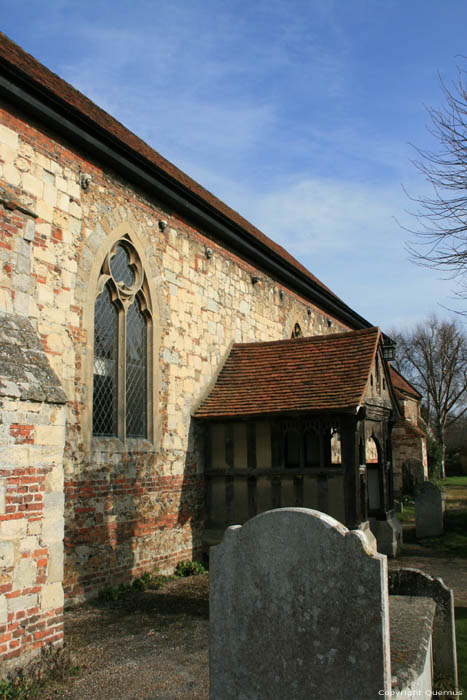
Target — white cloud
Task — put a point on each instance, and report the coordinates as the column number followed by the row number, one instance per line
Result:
column 261, row 114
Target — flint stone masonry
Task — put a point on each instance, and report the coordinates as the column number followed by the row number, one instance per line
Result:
column 130, row 504
column 289, row 592
column 412, row 582
column 145, row 495
column 429, row 510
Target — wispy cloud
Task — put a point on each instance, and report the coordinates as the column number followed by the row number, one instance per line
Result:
column 276, row 108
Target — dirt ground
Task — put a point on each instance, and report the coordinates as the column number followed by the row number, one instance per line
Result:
column 150, row 645
column 452, row 570
column 153, row 645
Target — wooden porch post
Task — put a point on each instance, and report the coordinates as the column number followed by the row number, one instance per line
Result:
column 350, row 461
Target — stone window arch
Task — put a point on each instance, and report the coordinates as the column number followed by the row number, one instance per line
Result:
column 122, row 346
column 297, row 331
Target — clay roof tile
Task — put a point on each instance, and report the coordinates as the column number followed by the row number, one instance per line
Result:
column 298, row 375
column 87, row 112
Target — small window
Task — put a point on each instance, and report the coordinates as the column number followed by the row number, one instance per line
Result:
column 122, row 319
column 336, row 448
column 297, row 331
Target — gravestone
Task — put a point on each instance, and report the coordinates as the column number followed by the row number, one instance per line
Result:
column 298, row 610
column 429, row 510
column 412, row 582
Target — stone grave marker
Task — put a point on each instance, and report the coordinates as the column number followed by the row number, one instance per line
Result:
column 429, row 510
column 412, row 582
column 298, row 610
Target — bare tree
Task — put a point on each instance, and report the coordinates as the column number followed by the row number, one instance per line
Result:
column 433, row 357
column 442, row 234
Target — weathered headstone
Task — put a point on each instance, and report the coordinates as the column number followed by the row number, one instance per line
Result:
column 412, row 582
column 298, row 610
column 429, row 510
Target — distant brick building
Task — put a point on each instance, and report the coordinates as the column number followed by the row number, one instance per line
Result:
column 409, row 452
column 123, row 285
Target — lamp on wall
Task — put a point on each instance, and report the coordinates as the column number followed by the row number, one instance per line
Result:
column 389, row 350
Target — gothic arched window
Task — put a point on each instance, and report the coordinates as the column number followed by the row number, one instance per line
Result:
column 297, row 331
column 122, row 319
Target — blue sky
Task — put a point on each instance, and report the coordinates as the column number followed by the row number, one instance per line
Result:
column 298, row 114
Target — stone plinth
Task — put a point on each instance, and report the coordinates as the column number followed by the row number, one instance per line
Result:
column 298, row 610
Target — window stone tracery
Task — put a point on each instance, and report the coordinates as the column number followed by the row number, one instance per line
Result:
column 122, row 320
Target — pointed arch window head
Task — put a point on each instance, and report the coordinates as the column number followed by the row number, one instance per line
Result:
column 297, row 331
column 122, row 322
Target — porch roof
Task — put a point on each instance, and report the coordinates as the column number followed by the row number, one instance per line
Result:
column 321, row 373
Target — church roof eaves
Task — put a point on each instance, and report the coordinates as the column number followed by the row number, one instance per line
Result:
column 36, row 88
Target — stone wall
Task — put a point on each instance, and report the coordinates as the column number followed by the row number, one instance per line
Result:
column 129, row 505
column 32, row 432
column 409, row 453
column 31, row 528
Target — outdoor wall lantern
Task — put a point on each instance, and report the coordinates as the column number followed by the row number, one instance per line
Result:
column 389, row 351
column 163, row 225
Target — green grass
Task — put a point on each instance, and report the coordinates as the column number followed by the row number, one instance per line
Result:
column 54, row 666
column 408, row 514
column 461, row 635
column 149, row 581
column 454, row 540
column 455, row 481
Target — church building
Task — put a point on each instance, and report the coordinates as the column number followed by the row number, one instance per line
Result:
column 166, row 369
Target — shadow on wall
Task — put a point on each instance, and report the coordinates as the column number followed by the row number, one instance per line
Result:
column 126, row 515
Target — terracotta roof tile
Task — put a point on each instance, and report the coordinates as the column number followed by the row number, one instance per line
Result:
column 322, row 373
column 14, row 56
column 409, row 427
column 401, row 385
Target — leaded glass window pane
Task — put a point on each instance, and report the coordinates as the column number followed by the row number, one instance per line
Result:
column 104, row 421
column 136, row 363
column 120, row 267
